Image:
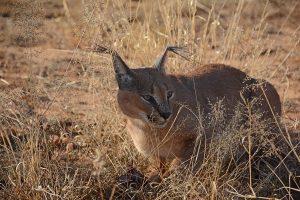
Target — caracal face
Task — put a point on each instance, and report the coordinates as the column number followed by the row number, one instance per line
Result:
column 147, row 94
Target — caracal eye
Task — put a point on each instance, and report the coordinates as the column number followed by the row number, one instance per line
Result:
column 147, row 97
column 169, row 94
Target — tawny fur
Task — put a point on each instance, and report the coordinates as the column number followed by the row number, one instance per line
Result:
column 174, row 138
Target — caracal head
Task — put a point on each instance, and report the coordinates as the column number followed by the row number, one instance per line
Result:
column 145, row 93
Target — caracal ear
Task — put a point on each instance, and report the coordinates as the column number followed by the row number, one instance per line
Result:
column 124, row 76
column 161, row 61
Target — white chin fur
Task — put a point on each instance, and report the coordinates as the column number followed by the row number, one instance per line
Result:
column 157, row 125
column 152, row 124
column 160, row 125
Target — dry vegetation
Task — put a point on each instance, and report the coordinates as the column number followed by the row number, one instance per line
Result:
column 62, row 135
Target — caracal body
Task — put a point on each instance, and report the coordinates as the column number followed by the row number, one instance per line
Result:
column 163, row 110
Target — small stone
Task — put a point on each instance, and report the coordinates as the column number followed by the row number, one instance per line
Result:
column 54, row 139
column 70, row 147
column 65, row 140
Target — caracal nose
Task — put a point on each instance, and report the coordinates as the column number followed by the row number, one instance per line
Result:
column 166, row 115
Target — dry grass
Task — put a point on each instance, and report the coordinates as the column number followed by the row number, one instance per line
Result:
column 62, row 97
